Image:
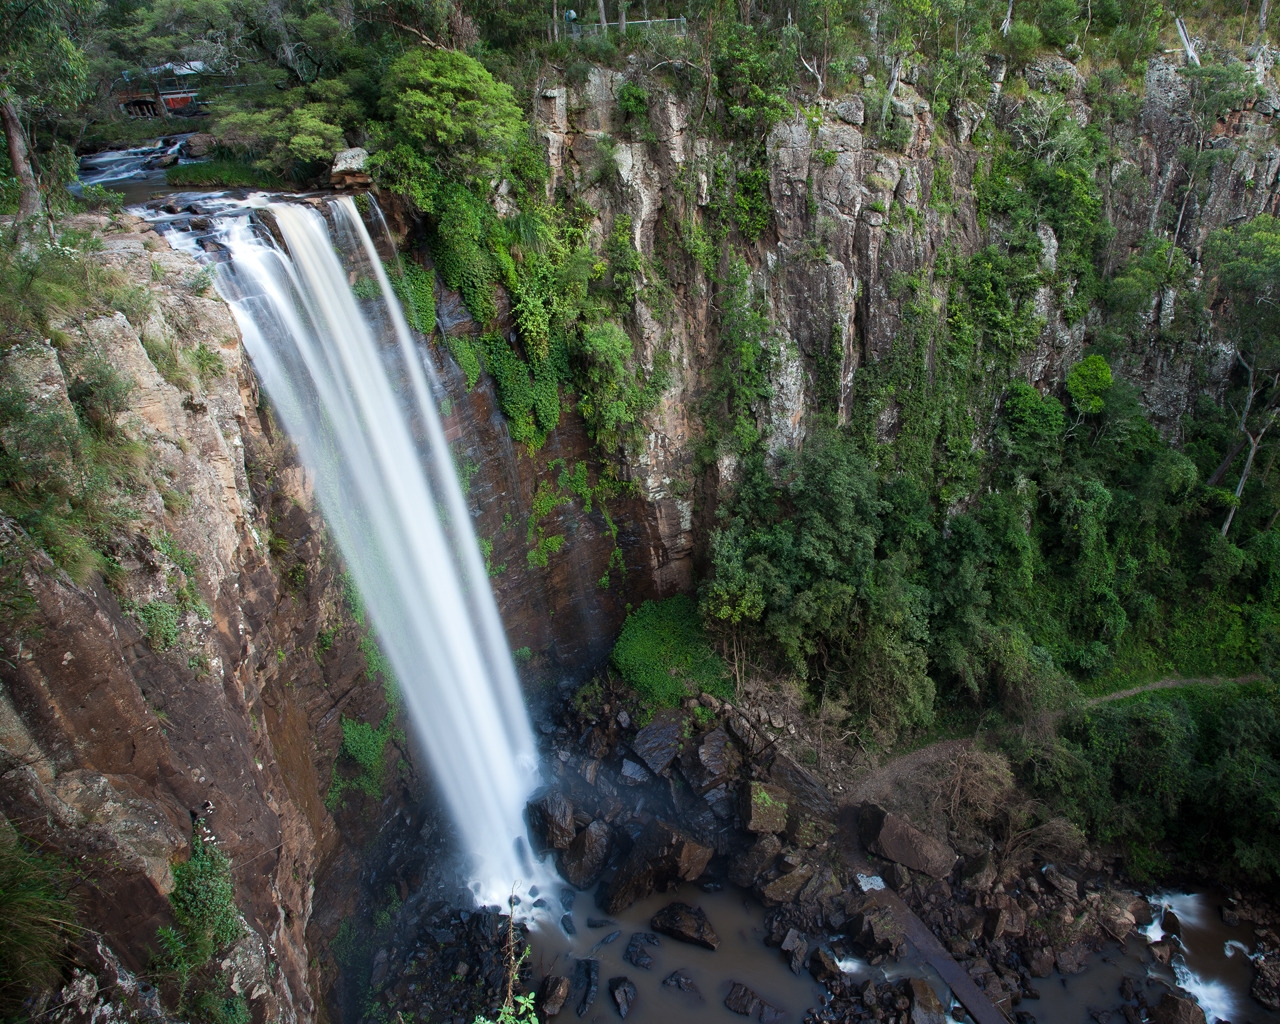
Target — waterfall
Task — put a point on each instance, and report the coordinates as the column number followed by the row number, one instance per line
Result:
column 350, row 386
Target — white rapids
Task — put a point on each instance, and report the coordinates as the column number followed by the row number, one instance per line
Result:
column 350, row 386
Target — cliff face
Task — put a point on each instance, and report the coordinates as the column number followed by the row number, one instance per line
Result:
column 850, row 220
column 113, row 743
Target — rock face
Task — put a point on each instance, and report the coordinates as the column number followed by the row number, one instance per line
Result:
column 662, row 857
column 350, row 169
column 687, row 924
column 892, row 837
column 581, row 863
column 1177, row 1010
column 115, row 740
column 551, row 820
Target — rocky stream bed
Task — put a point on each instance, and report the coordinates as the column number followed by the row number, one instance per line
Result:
column 696, row 827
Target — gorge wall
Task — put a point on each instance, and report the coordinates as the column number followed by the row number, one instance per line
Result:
column 115, row 741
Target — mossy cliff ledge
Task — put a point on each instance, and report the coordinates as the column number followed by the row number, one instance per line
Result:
column 170, row 718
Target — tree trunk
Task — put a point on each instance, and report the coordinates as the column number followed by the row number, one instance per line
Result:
column 1248, row 465
column 622, row 17
column 555, row 21
column 1262, row 19
column 604, row 18
column 28, row 190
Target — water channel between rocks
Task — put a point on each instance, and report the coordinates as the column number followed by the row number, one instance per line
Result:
column 742, row 957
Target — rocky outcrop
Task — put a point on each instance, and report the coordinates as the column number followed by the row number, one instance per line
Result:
column 892, row 837
column 192, row 684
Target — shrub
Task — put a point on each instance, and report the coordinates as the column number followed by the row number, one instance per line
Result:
column 39, row 918
column 663, row 652
column 161, row 620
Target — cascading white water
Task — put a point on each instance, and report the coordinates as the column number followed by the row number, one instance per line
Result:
column 350, row 386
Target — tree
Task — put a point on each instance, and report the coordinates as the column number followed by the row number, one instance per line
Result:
column 1246, row 265
column 38, row 61
column 447, row 105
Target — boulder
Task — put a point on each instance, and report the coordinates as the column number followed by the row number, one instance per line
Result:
column 1007, row 920
column 588, row 980
column 1177, row 1010
column 1170, row 924
column 1063, row 885
column 658, row 743
column 552, row 994
column 764, row 808
column 198, row 145
column 894, row 838
column 744, row 1001
column 686, row 924
column 796, row 947
column 756, row 859
column 1266, row 982
column 979, row 872
column 1073, row 959
column 624, row 995
column 1040, row 962
column 662, row 857
column 551, row 821
column 926, row 1007
column 896, row 877
column 824, row 966
column 711, row 763
column 681, row 980
column 1116, row 919
column 580, row 865
column 875, row 929
column 350, row 168
column 851, row 111
column 637, row 953
column 785, row 888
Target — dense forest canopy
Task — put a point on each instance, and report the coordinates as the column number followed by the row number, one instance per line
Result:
column 1015, row 546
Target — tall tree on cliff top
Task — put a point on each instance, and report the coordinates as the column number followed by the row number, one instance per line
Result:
column 40, row 64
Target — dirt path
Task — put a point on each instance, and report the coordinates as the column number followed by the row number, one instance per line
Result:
column 1171, row 684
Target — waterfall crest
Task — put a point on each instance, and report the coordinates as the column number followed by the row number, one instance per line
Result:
column 350, row 386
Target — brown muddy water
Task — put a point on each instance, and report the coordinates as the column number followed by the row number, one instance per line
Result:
column 1213, row 966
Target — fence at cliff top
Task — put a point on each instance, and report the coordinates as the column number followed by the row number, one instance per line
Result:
column 350, row 386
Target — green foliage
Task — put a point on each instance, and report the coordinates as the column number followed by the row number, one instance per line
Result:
column 520, row 1012
column 739, row 379
column 614, row 394
column 161, row 620
column 1136, row 773
column 224, row 173
column 40, row 919
column 663, row 652
column 415, row 288
column 1088, row 383
column 449, row 107
column 366, row 746
column 99, row 197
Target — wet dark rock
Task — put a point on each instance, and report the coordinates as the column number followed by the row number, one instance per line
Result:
column 634, row 773
column 662, row 857
column 824, row 966
column 598, row 922
column 764, row 808
column 1177, row 1010
column 1229, row 917
column 582, row 862
column 711, row 763
column 1040, row 962
column 566, row 922
column 588, row 980
column 896, row 877
column 658, row 743
column 1022, row 1017
column 742, row 1000
column 551, row 821
column 568, row 897
column 636, row 953
column 1266, row 981
column 875, row 929
column 1170, row 924
column 1163, row 950
column 1061, row 883
column 624, row 994
column 894, row 838
column 1073, row 959
column 1128, row 989
column 797, row 949
column 611, row 937
column 770, row 1014
column 686, row 924
column 926, row 1007
column 681, row 980
column 552, row 994
column 979, row 872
